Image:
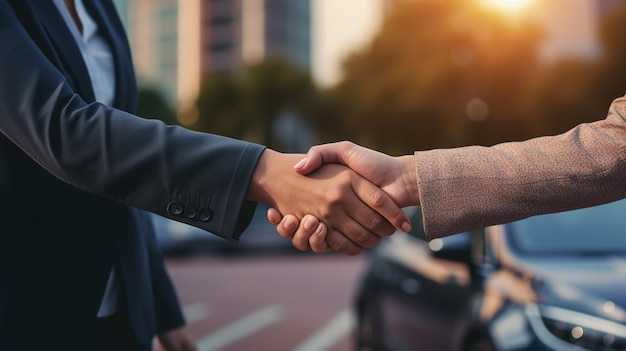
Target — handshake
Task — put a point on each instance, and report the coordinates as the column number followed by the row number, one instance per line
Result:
column 344, row 197
column 339, row 197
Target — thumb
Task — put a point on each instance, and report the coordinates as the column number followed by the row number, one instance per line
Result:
column 274, row 216
column 321, row 154
column 308, row 164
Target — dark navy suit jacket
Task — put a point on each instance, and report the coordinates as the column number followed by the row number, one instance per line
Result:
column 71, row 172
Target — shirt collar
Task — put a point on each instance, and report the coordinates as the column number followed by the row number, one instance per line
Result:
column 89, row 25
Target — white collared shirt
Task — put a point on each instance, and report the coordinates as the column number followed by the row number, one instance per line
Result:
column 98, row 58
column 95, row 51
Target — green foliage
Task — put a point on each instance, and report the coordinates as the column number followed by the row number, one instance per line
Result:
column 571, row 92
column 433, row 60
column 244, row 104
column 450, row 73
column 611, row 71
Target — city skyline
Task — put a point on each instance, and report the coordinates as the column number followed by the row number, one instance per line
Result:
column 176, row 42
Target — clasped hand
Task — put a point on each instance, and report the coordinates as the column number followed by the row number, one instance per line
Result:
column 381, row 186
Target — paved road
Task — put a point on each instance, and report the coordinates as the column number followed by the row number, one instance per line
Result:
column 296, row 302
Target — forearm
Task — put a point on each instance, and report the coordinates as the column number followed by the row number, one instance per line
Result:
column 407, row 180
column 114, row 154
column 467, row 188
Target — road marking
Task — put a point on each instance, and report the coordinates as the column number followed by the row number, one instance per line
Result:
column 330, row 334
column 240, row 329
column 196, row 312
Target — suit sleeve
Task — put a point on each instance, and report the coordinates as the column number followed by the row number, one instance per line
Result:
column 113, row 154
column 467, row 188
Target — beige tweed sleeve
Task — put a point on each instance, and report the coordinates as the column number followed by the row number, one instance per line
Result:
column 471, row 187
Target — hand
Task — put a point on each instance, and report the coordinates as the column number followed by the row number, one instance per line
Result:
column 348, row 204
column 397, row 176
column 307, row 234
column 175, row 340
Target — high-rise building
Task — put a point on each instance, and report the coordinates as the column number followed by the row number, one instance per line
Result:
column 605, row 6
column 164, row 36
column 340, row 28
column 240, row 32
column 571, row 28
column 175, row 42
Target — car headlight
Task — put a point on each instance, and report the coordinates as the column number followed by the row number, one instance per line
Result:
column 563, row 329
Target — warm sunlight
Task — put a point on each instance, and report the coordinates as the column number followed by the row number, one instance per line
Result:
column 507, row 5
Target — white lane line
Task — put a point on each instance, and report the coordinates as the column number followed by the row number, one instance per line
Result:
column 330, row 334
column 196, row 312
column 240, row 329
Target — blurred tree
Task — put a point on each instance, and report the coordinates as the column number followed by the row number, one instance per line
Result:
column 570, row 92
column 245, row 104
column 561, row 97
column 439, row 73
column 611, row 78
column 152, row 104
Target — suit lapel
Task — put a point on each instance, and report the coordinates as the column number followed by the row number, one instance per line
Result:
column 105, row 14
column 64, row 54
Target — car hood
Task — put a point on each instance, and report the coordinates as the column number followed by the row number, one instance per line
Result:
column 587, row 284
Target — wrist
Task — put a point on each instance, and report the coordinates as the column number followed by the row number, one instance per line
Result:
column 409, row 178
column 273, row 177
column 257, row 189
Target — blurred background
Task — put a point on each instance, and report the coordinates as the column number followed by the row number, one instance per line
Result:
column 394, row 75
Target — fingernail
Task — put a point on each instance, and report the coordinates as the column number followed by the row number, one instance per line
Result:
column 320, row 230
column 309, row 223
column 290, row 224
column 272, row 219
column 300, row 163
column 406, row 227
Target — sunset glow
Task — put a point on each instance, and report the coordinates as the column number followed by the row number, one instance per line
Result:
column 507, row 5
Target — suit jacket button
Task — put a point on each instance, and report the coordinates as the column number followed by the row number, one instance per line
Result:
column 175, row 208
column 190, row 212
column 205, row 215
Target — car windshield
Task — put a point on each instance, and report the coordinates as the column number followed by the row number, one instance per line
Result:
column 590, row 231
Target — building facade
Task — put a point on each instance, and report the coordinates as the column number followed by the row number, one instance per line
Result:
column 176, row 42
column 241, row 32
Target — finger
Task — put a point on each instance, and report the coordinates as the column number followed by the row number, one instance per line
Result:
column 311, row 235
column 320, row 154
column 317, row 241
column 351, row 234
column 307, row 228
column 361, row 212
column 337, row 241
column 351, row 217
column 273, row 216
column 389, row 214
column 288, row 226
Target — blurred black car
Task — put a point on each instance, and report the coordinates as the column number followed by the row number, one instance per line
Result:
column 177, row 239
column 550, row 282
